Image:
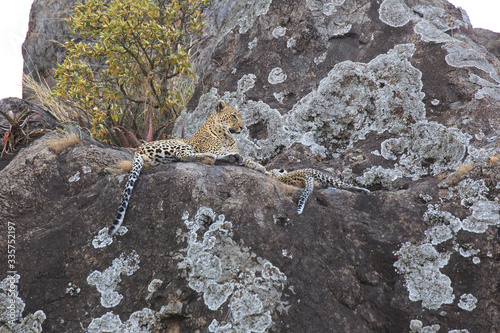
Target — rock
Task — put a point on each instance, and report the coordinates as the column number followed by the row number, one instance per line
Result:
column 490, row 40
column 395, row 96
column 47, row 31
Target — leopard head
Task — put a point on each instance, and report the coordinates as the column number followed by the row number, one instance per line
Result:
column 229, row 117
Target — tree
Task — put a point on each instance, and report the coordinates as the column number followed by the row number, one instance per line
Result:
column 125, row 62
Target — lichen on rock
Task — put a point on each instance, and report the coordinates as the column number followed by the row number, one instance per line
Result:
column 12, row 308
column 225, row 271
column 143, row 321
column 421, row 267
column 107, row 281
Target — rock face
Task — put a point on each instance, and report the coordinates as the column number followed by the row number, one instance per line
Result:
column 47, row 31
column 396, row 96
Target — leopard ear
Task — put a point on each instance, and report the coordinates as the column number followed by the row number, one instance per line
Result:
column 221, row 105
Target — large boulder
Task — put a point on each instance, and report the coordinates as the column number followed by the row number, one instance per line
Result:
column 393, row 95
column 47, row 32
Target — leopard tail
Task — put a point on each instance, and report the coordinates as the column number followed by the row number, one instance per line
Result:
column 132, row 178
column 308, row 188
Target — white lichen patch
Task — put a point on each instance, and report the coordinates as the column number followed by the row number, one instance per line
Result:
column 253, row 43
column 430, row 33
column 143, row 321
column 416, row 326
column 471, row 191
column 438, row 234
column 467, row 302
column 103, row 239
column 462, row 55
column 279, row 31
column 246, row 83
column 276, row 76
column 484, row 214
column 421, row 266
column 226, row 272
column 418, row 154
column 486, row 87
column 436, row 217
column 330, row 7
column 287, row 254
column 75, row 177
column 72, row 289
column 12, row 307
column 107, row 281
column 279, row 96
column 378, row 175
column 154, row 285
column 242, row 14
column 319, row 59
column 394, row 13
column 291, row 42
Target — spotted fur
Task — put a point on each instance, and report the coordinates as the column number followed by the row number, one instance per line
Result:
column 308, row 178
column 214, row 141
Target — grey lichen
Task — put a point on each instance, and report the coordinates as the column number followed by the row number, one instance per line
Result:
column 279, row 31
column 226, row 272
column 107, row 281
column 418, row 153
column 416, row 326
column 421, row 267
column 276, row 76
column 425, row 260
column 378, row 175
column 467, row 302
column 484, row 214
column 143, row 321
column 74, row 178
column 486, row 87
column 470, row 191
column 103, row 239
column 242, row 14
column 12, row 307
column 394, row 13
column 463, row 55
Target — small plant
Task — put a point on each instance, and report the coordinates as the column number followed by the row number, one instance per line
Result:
column 17, row 130
column 124, row 67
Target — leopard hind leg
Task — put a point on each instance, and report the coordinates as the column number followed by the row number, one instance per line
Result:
column 132, row 178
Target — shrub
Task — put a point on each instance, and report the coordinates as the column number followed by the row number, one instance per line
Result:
column 124, row 63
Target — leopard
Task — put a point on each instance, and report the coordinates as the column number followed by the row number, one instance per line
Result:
column 307, row 179
column 213, row 142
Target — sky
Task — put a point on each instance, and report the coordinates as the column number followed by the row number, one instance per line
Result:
column 14, row 16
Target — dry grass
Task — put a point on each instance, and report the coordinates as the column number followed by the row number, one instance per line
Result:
column 494, row 160
column 60, row 144
column 120, row 167
column 41, row 95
